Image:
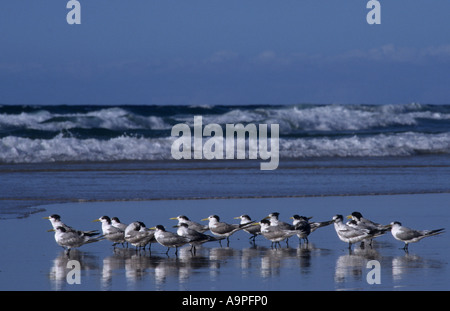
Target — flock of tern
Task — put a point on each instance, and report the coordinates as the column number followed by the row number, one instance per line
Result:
column 356, row 229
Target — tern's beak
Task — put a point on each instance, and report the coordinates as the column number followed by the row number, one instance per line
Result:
column 51, row 230
column 174, row 218
column 267, row 217
column 95, row 220
column 46, row 217
column 152, row 228
column 237, row 217
column 205, row 219
column 349, row 217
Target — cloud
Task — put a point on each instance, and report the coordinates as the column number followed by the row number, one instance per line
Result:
column 222, row 56
column 393, row 53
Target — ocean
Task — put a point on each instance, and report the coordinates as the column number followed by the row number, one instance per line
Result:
column 390, row 162
column 42, row 134
column 53, row 154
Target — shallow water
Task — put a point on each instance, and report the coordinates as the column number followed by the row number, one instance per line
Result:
column 24, row 187
column 31, row 260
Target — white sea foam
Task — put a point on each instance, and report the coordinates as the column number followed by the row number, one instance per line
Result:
column 326, row 118
column 108, row 118
column 59, row 148
column 25, row 150
column 404, row 144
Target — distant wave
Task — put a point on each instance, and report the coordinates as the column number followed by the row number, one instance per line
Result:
column 33, row 134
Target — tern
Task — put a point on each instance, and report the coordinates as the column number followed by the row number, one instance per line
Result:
column 111, row 232
column 223, row 229
column 408, row 235
column 56, row 222
column 195, row 238
column 72, row 239
column 347, row 233
column 169, row 239
column 191, row 224
column 274, row 221
column 303, row 227
column 275, row 234
column 116, row 223
column 139, row 235
column 254, row 229
column 359, row 222
column 306, row 227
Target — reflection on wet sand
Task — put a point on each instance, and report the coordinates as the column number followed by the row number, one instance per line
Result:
column 352, row 266
column 407, row 264
column 141, row 269
column 59, row 270
column 138, row 266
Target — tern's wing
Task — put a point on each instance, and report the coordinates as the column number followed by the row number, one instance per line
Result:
column 406, row 234
column 222, row 228
column 349, row 232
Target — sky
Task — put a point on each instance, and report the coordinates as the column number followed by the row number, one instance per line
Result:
column 224, row 52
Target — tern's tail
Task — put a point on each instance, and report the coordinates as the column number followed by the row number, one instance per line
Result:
column 91, row 233
column 434, row 232
column 96, row 239
column 320, row 224
column 248, row 224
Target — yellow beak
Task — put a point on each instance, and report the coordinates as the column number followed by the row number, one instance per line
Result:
column 205, row 219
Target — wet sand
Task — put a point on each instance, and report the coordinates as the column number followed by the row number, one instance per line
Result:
column 31, row 260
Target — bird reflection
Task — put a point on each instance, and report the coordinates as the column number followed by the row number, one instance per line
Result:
column 59, row 270
column 353, row 266
column 408, row 264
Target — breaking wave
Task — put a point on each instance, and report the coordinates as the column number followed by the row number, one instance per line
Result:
column 33, row 134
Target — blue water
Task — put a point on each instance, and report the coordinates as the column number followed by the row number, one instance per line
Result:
column 391, row 162
column 38, row 134
column 97, row 153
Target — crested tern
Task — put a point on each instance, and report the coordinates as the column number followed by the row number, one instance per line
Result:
column 191, row 224
column 275, row 234
column 303, row 227
column 347, row 233
column 254, row 229
column 56, row 222
column 111, row 232
column 359, row 222
column 116, row 223
column 274, row 221
column 408, row 235
column 72, row 239
column 223, row 229
column 195, row 238
column 138, row 235
column 169, row 239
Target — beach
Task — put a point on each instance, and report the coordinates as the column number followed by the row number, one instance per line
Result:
column 391, row 163
column 32, row 260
